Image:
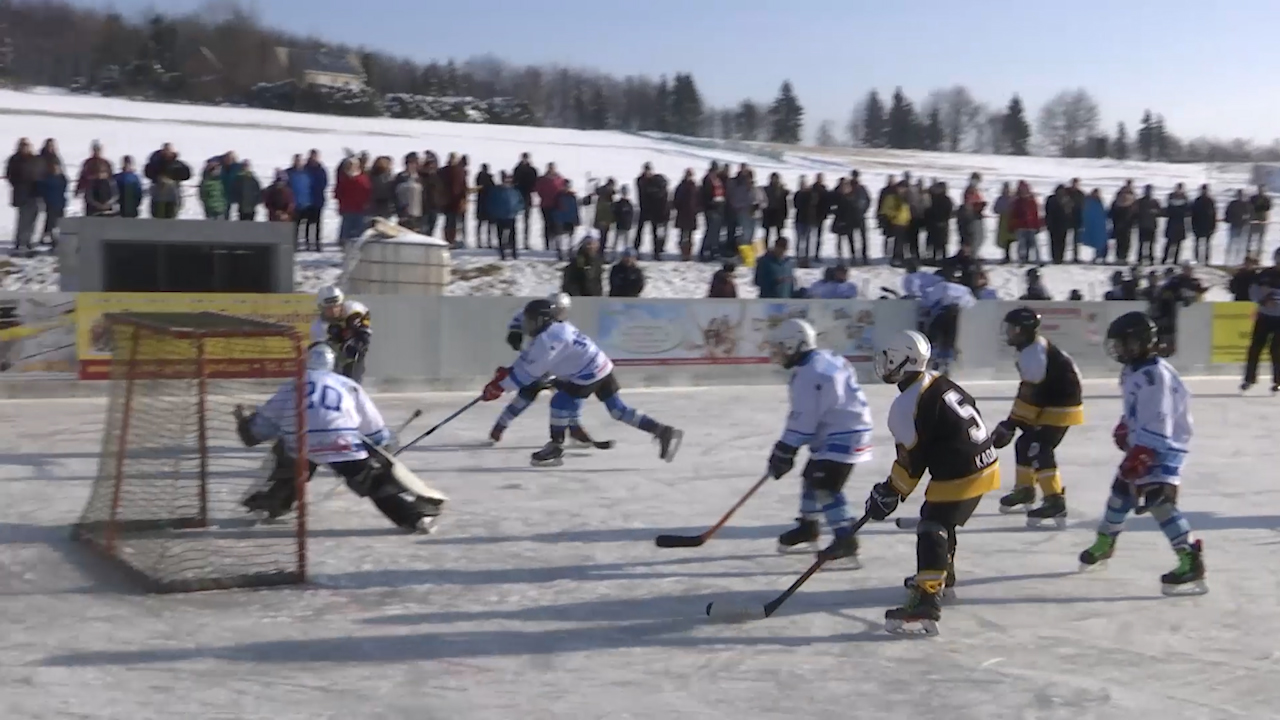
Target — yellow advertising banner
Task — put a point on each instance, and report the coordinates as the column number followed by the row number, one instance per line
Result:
column 1232, row 328
column 94, row 342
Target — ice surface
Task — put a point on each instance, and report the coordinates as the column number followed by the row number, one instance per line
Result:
column 543, row 596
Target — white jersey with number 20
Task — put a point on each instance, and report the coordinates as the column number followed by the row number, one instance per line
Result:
column 561, row 350
column 338, row 413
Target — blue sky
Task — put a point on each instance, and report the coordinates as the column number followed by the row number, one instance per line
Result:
column 1209, row 71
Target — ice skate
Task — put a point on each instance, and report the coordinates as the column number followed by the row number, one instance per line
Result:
column 1054, row 509
column 1275, row 388
column 1097, row 555
column 801, row 538
column 1188, row 577
column 669, row 440
column 551, row 455
column 1018, row 501
column 1244, row 387
column 495, row 435
column 919, row 615
column 843, row 551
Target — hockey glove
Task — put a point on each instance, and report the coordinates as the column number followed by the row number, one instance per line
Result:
column 494, row 389
column 244, row 422
column 1121, row 436
column 1137, row 463
column 882, row 501
column 1003, row 434
column 515, row 339
column 782, row 460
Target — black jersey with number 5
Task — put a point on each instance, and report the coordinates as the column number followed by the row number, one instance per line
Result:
column 937, row 429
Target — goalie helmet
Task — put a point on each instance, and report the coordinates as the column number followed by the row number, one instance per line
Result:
column 908, row 352
column 330, row 300
column 790, row 340
column 560, row 305
column 1021, row 326
column 320, row 357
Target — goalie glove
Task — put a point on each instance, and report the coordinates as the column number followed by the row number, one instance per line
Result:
column 244, row 423
column 515, row 339
column 1003, row 434
column 1137, row 463
column 782, row 460
column 882, row 501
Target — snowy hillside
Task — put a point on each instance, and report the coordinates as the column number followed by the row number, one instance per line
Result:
column 269, row 139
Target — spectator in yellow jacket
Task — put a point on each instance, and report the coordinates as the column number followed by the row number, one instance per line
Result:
column 896, row 212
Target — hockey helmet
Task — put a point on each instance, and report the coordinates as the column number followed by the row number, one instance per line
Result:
column 330, row 300
column 320, row 357
column 907, row 352
column 1020, row 326
column 538, row 316
column 561, row 303
column 790, row 340
column 1131, row 338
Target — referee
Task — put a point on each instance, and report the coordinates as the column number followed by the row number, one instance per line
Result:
column 1266, row 328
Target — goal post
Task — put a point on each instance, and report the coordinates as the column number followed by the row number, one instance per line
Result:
column 173, row 472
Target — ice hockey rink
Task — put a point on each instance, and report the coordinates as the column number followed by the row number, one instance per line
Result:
column 542, row 595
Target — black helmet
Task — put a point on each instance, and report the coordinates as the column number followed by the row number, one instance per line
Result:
column 1131, row 338
column 538, row 315
column 1020, row 326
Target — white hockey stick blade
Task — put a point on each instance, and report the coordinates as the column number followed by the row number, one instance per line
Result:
column 730, row 613
column 406, row 478
column 907, row 523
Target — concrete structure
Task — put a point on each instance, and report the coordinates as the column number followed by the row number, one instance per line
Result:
column 390, row 260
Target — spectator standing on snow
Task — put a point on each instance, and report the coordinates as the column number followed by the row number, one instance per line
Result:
column 300, row 186
column 91, row 169
column 1177, row 211
column 353, row 190
column 1076, row 195
column 409, row 196
column 686, row 206
column 969, row 214
column 626, row 278
column 937, row 222
column 128, row 188
column 23, row 171
column 1260, row 207
column 740, row 196
column 566, row 218
column 1124, row 216
column 1004, row 231
column 319, row 182
column 775, row 272
column 100, row 196
column 53, row 191
column 1204, row 221
column 624, row 213
column 1059, row 215
column 454, row 177
column 484, row 223
column 506, row 202
column 525, row 179
column 895, row 212
column 231, row 170
column 1237, row 216
column 802, row 202
column 1025, row 222
column 434, row 195
column 1094, row 217
column 1149, row 212
column 823, row 200
column 602, row 199
column 584, row 275
column 774, row 216
column 167, row 173
column 655, row 209
column 212, row 192
column 246, row 191
column 844, row 219
column 278, row 200
column 722, row 283
column 382, row 185
column 861, row 204
column 711, row 199
column 548, row 189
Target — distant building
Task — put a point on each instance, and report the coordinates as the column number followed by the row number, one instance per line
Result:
column 322, row 67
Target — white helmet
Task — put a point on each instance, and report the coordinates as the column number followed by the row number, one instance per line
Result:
column 330, row 300
column 321, row 357
column 907, row 352
column 560, row 305
column 789, row 339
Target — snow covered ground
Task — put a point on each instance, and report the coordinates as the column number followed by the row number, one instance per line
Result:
column 543, row 596
column 269, row 139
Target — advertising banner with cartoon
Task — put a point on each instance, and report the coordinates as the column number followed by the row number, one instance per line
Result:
column 38, row 336
column 93, row 342
column 725, row 332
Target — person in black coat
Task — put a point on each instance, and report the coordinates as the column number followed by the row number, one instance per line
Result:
column 1177, row 211
column 1149, row 212
column 1076, row 195
column 1243, row 279
column 626, row 278
column 937, row 223
column 524, row 177
column 484, row 224
column 822, row 201
column 1058, row 218
column 802, row 202
column 1204, row 221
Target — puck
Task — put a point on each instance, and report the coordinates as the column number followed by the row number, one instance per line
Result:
column 709, row 608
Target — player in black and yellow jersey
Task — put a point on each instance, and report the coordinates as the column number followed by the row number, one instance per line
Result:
column 1048, row 402
column 344, row 325
column 937, row 429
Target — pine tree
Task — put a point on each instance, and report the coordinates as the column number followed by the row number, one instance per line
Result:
column 662, row 120
column 1146, row 138
column 1100, row 146
column 903, row 126
column 1120, row 145
column 598, row 110
column 581, row 113
column 875, row 127
column 686, row 106
column 932, row 136
column 786, row 117
column 748, row 121
column 1015, row 129
column 827, row 135
column 1160, row 139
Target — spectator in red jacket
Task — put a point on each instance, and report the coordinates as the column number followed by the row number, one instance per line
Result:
column 91, row 169
column 548, row 188
column 454, row 177
column 1025, row 222
column 354, row 191
column 278, row 199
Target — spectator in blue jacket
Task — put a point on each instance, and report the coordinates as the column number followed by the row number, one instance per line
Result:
column 300, row 186
column 504, row 202
column 53, row 191
column 775, row 271
column 129, row 188
column 319, row 183
column 1094, row 232
column 566, row 219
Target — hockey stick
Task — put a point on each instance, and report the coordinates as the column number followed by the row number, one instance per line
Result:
column 439, row 425
column 675, row 541
column 733, row 613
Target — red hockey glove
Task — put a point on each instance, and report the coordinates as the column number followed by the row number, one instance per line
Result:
column 1121, row 436
column 1137, row 463
column 494, row 389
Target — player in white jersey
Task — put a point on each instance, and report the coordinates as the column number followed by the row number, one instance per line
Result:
column 1155, row 434
column 344, row 325
column 829, row 413
column 943, row 302
column 339, row 416
column 558, row 349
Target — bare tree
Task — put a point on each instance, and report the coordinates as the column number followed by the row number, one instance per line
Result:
column 1067, row 121
column 960, row 114
column 827, row 134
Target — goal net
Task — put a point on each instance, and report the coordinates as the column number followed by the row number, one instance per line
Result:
column 173, row 472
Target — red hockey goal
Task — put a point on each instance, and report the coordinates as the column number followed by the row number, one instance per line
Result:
column 166, row 504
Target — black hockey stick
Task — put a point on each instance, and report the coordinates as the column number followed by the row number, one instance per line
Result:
column 439, row 425
column 760, row 612
column 405, row 425
column 675, row 541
